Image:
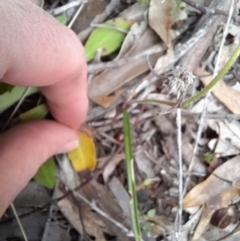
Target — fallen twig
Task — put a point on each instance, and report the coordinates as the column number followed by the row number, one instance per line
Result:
column 59, row 10
column 178, row 219
column 204, row 10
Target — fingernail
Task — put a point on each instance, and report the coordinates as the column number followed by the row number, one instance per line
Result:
column 68, row 147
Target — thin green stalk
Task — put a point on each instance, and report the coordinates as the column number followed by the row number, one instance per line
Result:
column 220, row 75
column 131, row 177
column 155, row 102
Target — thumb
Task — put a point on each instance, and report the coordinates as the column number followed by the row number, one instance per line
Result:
column 22, row 151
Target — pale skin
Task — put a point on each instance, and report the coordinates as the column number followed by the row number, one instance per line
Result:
column 35, row 50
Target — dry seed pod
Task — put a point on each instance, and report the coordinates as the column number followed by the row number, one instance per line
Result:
column 178, row 79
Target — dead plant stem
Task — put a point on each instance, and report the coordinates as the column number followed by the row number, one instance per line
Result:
column 19, row 222
column 59, row 10
column 177, row 224
column 203, row 9
column 76, row 15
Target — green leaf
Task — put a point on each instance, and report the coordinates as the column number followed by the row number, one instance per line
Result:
column 151, row 213
column 46, row 174
column 61, row 19
column 5, row 88
column 143, row 1
column 37, row 113
column 9, row 98
column 107, row 39
column 147, row 182
column 178, row 2
column 208, row 157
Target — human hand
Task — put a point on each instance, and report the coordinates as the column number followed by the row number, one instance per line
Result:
column 36, row 50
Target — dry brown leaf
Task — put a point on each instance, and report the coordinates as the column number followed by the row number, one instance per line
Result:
column 110, row 167
column 221, row 179
column 201, row 193
column 203, row 223
column 135, row 32
column 93, row 224
column 93, row 192
column 107, row 203
column 121, row 195
column 159, row 19
column 224, row 199
column 110, row 80
column 228, row 143
column 144, row 164
column 160, row 225
column 164, row 61
column 106, row 100
column 217, row 202
column 194, row 57
column 100, row 18
column 135, row 12
column 224, row 216
column 90, row 10
column 225, row 94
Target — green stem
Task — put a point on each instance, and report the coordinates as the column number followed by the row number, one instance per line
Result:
column 221, row 73
column 130, row 177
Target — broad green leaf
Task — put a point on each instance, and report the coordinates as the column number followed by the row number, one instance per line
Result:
column 208, row 157
column 46, row 174
column 9, row 98
column 84, row 156
column 61, row 19
column 5, row 88
column 106, row 39
column 37, row 113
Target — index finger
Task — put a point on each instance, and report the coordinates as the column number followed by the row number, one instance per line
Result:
column 36, row 50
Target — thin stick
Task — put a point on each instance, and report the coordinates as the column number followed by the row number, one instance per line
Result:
column 203, row 9
column 151, row 68
column 19, row 222
column 221, row 73
column 64, row 8
column 177, row 224
column 76, row 15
